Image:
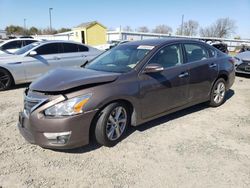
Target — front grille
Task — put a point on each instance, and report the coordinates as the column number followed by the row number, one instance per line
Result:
column 30, row 104
column 245, row 66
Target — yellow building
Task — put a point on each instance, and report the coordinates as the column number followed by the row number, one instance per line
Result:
column 91, row 33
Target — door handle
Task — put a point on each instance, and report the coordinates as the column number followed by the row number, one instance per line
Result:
column 184, row 74
column 212, row 65
column 57, row 58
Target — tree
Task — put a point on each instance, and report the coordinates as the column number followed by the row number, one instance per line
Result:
column 190, row 28
column 63, row 30
column 47, row 31
column 164, row 29
column 127, row 28
column 222, row 28
column 33, row 31
column 143, row 29
column 14, row 30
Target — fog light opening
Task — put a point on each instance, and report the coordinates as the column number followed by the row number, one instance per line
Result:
column 58, row 138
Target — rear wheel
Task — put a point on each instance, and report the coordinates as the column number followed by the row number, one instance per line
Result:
column 112, row 124
column 5, row 80
column 218, row 93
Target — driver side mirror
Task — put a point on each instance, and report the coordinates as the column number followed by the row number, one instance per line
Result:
column 33, row 53
column 153, row 68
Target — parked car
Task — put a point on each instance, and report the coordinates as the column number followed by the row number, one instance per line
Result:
column 33, row 60
column 110, row 44
column 12, row 45
column 127, row 85
column 242, row 64
column 219, row 45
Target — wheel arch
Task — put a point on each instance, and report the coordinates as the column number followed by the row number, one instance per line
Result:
column 13, row 80
column 127, row 102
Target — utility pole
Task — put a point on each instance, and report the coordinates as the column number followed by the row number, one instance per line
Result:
column 50, row 23
column 182, row 22
column 24, row 26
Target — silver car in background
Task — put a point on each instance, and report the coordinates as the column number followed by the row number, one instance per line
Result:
column 32, row 61
column 12, row 45
column 242, row 64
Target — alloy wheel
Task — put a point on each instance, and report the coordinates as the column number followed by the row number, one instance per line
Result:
column 116, row 123
column 4, row 80
column 219, row 92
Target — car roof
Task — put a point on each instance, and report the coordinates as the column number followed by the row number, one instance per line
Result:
column 159, row 42
column 58, row 41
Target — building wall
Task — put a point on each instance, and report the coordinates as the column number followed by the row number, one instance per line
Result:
column 95, row 35
column 77, row 35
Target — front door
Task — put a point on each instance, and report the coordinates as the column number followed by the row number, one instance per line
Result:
column 168, row 89
column 47, row 58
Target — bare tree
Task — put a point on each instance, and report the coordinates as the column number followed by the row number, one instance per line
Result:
column 222, row 28
column 127, row 28
column 143, row 29
column 164, row 29
column 190, row 28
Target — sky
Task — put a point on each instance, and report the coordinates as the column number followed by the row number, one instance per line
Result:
column 133, row 13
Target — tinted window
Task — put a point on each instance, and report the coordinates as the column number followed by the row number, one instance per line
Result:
column 27, row 42
column 196, row 52
column 12, row 45
column 52, row 48
column 168, row 56
column 212, row 53
column 83, row 48
column 69, row 47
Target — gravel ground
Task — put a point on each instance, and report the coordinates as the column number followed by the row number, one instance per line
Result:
column 196, row 147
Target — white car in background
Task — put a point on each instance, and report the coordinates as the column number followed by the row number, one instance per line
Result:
column 12, row 45
column 34, row 60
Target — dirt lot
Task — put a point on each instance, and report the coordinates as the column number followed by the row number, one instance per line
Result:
column 196, row 147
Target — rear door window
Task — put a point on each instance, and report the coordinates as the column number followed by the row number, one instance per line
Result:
column 82, row 48
column 27, row 42
column 196, row 52
column 70, row 48
column 52, row 48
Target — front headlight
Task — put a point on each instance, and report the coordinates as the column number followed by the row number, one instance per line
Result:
column 69, row 107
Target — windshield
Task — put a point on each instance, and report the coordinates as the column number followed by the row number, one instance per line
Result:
column 26, row 48
column 120, row 59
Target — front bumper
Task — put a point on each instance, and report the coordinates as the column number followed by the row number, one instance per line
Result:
column 33, row 126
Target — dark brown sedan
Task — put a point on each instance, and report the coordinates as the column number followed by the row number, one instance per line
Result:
column 127, row 85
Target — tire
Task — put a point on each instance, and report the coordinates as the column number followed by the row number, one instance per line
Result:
column 110, row 126
column 218, row 93
column 6, row 80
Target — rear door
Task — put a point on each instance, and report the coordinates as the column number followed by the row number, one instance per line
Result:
column 74, row 55
column 203, row 70
column 166, row 90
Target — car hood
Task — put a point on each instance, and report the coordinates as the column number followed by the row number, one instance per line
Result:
column 61, row 80
column 245, row 56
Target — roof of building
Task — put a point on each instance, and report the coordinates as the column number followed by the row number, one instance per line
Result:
column 89, row 24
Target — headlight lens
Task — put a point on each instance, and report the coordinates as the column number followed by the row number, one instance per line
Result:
column 69, row 107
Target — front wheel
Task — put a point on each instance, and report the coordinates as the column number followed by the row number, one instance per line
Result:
column 112, row 124
column 5, row 80
column 218, row 93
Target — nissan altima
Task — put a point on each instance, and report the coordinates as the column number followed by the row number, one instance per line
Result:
column 33, row 60
column 128, row 85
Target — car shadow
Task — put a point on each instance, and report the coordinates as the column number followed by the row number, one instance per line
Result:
column 243, row 75
column 148, row 125
column 19, row 86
